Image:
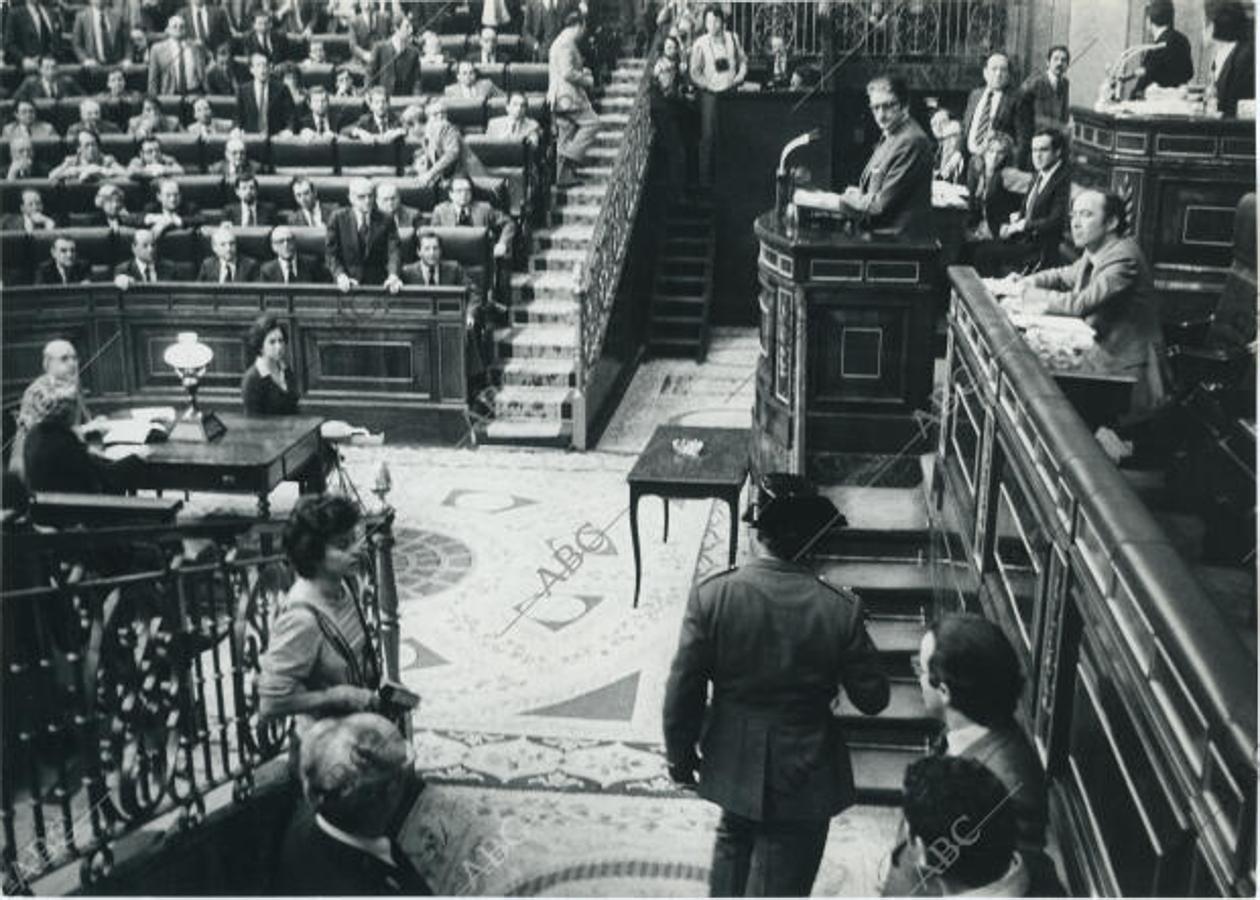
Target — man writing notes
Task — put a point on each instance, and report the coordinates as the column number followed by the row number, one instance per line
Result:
column 894, row 195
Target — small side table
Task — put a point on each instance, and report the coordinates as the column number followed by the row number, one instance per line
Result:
column 718, row 472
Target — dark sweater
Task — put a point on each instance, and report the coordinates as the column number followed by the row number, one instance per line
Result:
column 262, row 396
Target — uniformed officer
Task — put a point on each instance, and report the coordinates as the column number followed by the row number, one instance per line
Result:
column 777, row 642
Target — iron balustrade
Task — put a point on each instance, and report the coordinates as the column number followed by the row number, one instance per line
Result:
column 1141, row 699
column 131, row 665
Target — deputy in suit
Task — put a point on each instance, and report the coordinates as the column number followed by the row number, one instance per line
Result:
column 395, row 63
column 1110, row 288
column 29, row 33
column 361, row 245
column 98, row 37
column 64, row 267
column 169, row 211
column 25, row 124
column 468, row 86
column 1030, row 241
column 1233, row 61
column 461, row 211
column 387, row 201
column 248, row 211
column 270, row 42
column 568, row 83
column 288, row 267
column 429, row 268
column 358, row 777
column 1170, row 64
column 1043, row 101
column 143, row 267
column 206, row 24
column 176, row 66
column 990, row 108
column 227, row 267
column 308, row 212
column 379, row 125
column 442, row 153
column 46, row 84
column 971, row 680
column 264, row 105
column 316, row 120
column 894, row 195
column 777, row 643
column 22, row 162
column 516, row 124
column 31, row 217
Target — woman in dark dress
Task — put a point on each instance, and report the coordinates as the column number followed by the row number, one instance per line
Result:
column 269, row 386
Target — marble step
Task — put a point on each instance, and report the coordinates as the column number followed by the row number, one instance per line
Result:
column 615, row 104
column 603, row 153
column 542, row 286
column 545, row 312
column 564, row 237
column 626, row 87
column 552, row 260
column 528, row 402
column 584, row 193
column 529, row 432
column 537, row 342
column 610, row 137
column 575, row 214
column 610, row 119
column 539, row 372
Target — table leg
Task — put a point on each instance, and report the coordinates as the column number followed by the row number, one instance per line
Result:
column 634, row 541
column 733, row 503
column 665, row 538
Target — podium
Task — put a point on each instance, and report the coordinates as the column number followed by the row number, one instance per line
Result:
column 847, row 323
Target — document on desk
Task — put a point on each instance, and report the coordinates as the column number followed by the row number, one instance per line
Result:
column 824, row 200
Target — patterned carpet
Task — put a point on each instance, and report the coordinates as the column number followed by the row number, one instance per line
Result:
column 539, row 729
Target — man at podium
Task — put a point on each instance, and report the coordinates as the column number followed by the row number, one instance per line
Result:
column 894, row 195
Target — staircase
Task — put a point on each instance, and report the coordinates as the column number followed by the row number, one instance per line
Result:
column 535, row 375
column 884, row 556
column 683, row 290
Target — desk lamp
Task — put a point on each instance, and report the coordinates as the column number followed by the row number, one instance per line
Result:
column 190, row 358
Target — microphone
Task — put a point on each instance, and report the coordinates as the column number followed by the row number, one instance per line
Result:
column 1109, row 90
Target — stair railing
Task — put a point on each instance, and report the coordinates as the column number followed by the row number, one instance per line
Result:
column 600, row 273
column 130, row 693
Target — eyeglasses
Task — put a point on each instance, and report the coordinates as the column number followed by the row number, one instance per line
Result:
column 888, row 105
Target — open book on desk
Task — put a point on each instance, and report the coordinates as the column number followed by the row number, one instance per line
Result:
column 828, row 201
column 146, row 425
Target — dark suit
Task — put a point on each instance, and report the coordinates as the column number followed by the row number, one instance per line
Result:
column 304, row 118
column 1007, row 753
column 1112, row 291
column 368, row 262
column 246, row 270
column 449, row 272
column 1041, row 105
column 480, row 215
column 307, row 271
column 396, row 72
column 218, row 30
column 407, row 216
column 772, row 754
column 162, row 269
column 297, row 217
column 1235, row 81
column 279, row 106
column 990, row 200
column 897, row 181
column 33, row 88
column 478, row 340
column 1000, row 119
column 83, row 37
column 23, row 37
column 264, row 214
column 1045, row 224
column 367, row 122
column 312, row 864
column 1168, row 66
column 47, row 273
column 279, row 51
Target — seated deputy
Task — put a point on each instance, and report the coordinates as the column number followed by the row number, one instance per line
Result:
column 358, row 777
column 55, row 458
column 269, row 386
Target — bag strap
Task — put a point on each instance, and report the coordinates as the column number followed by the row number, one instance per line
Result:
column 334, row 635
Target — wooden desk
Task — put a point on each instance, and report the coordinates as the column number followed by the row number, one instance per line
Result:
column 719, row 471
column 254, row 456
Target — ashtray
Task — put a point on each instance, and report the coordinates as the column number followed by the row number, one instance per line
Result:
column 688, row 446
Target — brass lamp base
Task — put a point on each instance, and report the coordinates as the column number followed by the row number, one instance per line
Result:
column 197, row 426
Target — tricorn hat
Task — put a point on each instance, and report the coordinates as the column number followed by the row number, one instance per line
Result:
column 788, row 506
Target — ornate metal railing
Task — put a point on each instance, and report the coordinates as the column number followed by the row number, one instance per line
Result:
column 601, row 270
column 875, row 28
column 131, row 661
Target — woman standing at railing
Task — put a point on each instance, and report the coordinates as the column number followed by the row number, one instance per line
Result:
column 320, row 661
column 718, row 65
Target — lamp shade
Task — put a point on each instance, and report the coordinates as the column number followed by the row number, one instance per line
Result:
column 187, row 353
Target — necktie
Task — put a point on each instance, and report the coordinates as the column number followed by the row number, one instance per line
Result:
column 267, row 45
column 149, row 274
column 363, row 233
column 50, row 88
column 464, row 217
column 225, row 274
column 247, row 216
column 181, row 76
column 37, row 16
column 429, row 275
column 65, row 276
column 983, row 119
column 1032, row 194
column 321, row 125
column 100, row 36
column 262, row 108
column 203, row 27
column 1087, row 269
